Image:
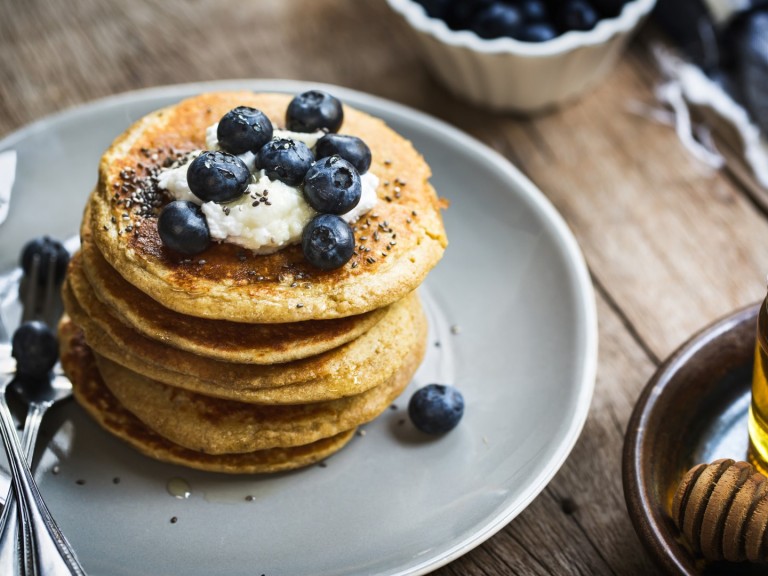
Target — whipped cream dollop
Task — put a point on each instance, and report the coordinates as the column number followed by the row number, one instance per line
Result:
column 271, row 214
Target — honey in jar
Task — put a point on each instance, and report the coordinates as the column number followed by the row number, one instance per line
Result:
column 758, row 410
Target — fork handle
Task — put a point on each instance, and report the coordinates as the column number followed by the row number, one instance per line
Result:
column 44, row 550
column 10, row 543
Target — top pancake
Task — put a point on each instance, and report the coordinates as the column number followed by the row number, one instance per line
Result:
column 91, row 275
column 398, row 242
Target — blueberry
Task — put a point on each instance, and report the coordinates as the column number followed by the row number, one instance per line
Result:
column 327, row 242
column 218, row 177
column 314, row 110
column 537, row 32
column 332, row 186
column 498, row 20
column 436, row 8
column 285, row 160
column 534, row 10
column 47, row 249
column 35, row 348
column 460, row 14
column 612, row 8
column 576, row 15
column 183, row 228
column 244, row 129
column 436, row 409
column 351, row 148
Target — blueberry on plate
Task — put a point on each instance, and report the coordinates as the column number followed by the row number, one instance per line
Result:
column 218, row 177
column 327, row 242
column 46, row 249
column 497, row 20
column 436, row 408
column 351, row 148
column 332, row 186
column 244, row 129
column 285, row 160
column 314, row 110
column 35, row 348
column 537, row 32
column 576, row 15
column 182, row 227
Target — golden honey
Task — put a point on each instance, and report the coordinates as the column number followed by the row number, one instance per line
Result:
column 758, row 410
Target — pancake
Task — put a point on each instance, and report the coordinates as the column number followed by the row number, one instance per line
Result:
column 222, row 340
column 350, row 369
column 398, row 242
column 217, row 426
column 95, row 398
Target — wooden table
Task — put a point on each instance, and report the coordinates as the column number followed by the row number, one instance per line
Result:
column 671, row 245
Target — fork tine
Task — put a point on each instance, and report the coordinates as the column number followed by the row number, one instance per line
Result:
column 29, row 293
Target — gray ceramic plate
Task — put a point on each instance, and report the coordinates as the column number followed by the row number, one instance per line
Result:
column 513, row 325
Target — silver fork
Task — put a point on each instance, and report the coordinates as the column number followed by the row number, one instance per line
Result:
column 28, row 293
column 41, row 548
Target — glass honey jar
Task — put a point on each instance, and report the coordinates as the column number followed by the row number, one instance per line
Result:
column 758, row 410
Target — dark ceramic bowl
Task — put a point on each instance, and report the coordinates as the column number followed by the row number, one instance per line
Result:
column 693, row 410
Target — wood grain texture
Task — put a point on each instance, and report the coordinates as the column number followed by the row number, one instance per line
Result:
column 671, row 245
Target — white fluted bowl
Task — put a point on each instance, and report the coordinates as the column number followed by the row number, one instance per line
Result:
column 505, row 74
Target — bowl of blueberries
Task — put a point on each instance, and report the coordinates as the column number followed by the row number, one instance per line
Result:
column 521, row 55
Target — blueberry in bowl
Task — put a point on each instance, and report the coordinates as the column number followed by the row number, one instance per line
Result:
column 497, row 19
column 577, row 15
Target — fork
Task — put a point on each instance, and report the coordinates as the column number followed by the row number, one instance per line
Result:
column 42, row 548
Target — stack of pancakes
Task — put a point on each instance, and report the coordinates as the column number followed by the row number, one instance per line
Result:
column 231, row 361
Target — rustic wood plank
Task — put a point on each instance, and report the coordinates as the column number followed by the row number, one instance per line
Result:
column 677, row 244
column 92, row 49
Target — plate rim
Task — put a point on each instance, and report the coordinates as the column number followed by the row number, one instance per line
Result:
column 583, row 289
column 661, row 383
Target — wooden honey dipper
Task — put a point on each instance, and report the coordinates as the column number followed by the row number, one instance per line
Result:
column 722, row 510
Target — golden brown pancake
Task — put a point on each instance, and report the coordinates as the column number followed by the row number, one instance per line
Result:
column 91, row 276
column 91, row 393
column 398, row 242
column 217, row 426
column 347, row 370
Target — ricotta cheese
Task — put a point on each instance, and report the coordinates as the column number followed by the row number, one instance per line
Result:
column 271, row 214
